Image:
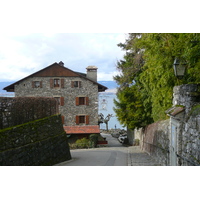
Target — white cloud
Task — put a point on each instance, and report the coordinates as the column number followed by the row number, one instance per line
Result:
column 106, row 76
column 23, row 54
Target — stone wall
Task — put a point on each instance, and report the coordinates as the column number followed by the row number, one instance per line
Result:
column 37, row 143
column 69, row 109
column 188, row 146
column 175, row 141
column 154, row 139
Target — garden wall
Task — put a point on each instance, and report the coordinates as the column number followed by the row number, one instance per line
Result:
column 156, row 141
column 36, row 143
column 176, row 141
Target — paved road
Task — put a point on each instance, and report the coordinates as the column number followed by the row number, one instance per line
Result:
column 115, row 154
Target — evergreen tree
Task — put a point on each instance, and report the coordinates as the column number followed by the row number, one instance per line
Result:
column 147, row 77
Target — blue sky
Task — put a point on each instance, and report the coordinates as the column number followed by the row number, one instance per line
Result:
column 24, row 53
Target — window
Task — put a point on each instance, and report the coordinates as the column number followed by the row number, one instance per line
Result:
column 57, row 99
column 56, row 83
column 82, row 119
column 76, row 84
column 60, row 100
column 82, row 101
column 36, row 84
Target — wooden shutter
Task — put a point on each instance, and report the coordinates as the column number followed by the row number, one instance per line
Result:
column 40, row 84
column 62, row 101
column 63, row 119
column 77, row 101
column 62, row 83
column 72, row 84
column 51, row 83
column 77, row 119
column 87, row 101
column 87, row 119
column 33, row 84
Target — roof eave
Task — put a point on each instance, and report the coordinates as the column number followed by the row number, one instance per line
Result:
column 10, row 88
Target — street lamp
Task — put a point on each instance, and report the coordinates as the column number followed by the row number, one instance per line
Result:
column 179, row 68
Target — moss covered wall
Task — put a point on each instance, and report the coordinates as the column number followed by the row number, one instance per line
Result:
column 37, row 143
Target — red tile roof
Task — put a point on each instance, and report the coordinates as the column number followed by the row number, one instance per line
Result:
column 82, row 129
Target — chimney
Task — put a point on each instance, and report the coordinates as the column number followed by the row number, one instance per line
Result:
column 61, row 63
column 92, row 73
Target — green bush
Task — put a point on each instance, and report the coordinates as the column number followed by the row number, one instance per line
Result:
column 82, row 143
column 93, row 140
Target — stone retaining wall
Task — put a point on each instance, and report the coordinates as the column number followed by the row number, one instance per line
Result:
column 154, row 139
column 188, row 146
column 40, row 142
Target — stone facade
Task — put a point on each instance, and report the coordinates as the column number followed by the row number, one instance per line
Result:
column 77, row 93
column 68, row 107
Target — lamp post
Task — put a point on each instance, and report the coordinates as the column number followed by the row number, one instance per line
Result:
column 179, row 68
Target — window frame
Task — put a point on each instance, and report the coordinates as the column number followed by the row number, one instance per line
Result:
column 56, row 82
column 36, row 84
column 76, row 84
column 60, row 100
column 80, row 120
column 82, row 102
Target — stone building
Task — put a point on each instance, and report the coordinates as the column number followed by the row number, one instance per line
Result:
column 76, row 93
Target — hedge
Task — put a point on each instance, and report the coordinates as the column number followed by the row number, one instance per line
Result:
column 19, row 110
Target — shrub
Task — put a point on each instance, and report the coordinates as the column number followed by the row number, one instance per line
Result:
column 19, row 110
column 82, row 143
column 93, row 140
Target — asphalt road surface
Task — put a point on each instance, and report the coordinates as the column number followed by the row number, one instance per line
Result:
column 115, row 154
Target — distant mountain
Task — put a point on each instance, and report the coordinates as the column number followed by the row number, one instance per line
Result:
column 109, row 84
column 3, row 85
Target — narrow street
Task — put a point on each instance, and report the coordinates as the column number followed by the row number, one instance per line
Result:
column 115, row 154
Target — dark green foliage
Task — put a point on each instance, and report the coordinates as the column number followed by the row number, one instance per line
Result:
column 147, row 77
column 93, row 140
column 19, row 110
